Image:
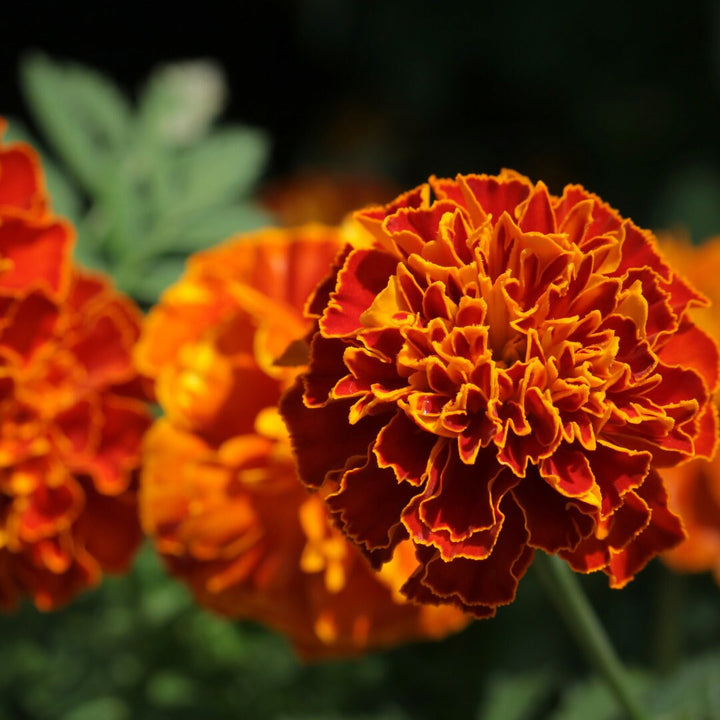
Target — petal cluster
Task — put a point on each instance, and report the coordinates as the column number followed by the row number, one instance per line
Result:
column 72, row 413
column 219, row 493
column 694, row 487
column 495, row 370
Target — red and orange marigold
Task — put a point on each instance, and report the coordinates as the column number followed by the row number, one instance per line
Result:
column 219, row 493
column 71, row 409
column 694, row 487
column 496, row 370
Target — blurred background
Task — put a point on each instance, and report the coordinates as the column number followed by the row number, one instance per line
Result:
column 621, row 97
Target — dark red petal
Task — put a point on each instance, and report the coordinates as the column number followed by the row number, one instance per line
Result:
column 663, row 532
column 467, row 497
column 617, row 471
column 326, row 368
column 476, row 585
column 405, row 448
column 321, row 437
column 553, row 521
column 368, row 506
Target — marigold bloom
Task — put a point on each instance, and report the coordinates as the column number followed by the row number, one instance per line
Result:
column 322, row 197
column 499, row 370
column 219, row 491
column 694, row 487
column 70, row 410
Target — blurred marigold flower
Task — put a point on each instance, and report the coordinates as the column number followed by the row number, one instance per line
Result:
column 219, row 491
column 694, row 487
column 499, row 370
column 71, row 404
column 314, row 196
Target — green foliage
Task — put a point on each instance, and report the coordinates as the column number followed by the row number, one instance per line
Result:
column 150, row 185
column 517, row 697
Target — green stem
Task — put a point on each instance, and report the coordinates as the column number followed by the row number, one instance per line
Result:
column 668, row 635
column 564, row 589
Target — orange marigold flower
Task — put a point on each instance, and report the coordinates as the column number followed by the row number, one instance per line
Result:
column 694, row 487
column 499, row 370
column 322, row 197
column 219, row 491
column 71, row 407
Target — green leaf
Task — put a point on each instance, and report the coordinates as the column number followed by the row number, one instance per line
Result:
column 592, row 700
column 692, row 691
column 107, row 708
column 207, row 228
column 516, row 697
column 82, row 113
column 221, row 168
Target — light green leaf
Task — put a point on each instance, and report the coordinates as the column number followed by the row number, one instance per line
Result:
column 592, row 700
column 88, row 257
column 692, row 691
column 82, row 113
column 222, row 168
column 516, row 697
column 213, row 226
column 147, row 284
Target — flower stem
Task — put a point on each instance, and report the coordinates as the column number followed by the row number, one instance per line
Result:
column 564, row 589
column 668, row 635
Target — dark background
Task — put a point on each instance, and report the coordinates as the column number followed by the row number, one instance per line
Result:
column 622, row 97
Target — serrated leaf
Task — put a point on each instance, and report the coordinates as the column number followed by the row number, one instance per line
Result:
column 83, row 115
column 516, row 697
column 219, row 169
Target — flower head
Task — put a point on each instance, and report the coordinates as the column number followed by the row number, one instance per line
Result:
column 694, row 487
column 71, row 407
column 219, row 492
column 499, row 370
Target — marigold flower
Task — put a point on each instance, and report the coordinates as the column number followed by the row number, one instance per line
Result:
column 71, row 407
column 694, row 487
column 499, row 370
column 322, row 197
column 219, row 491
